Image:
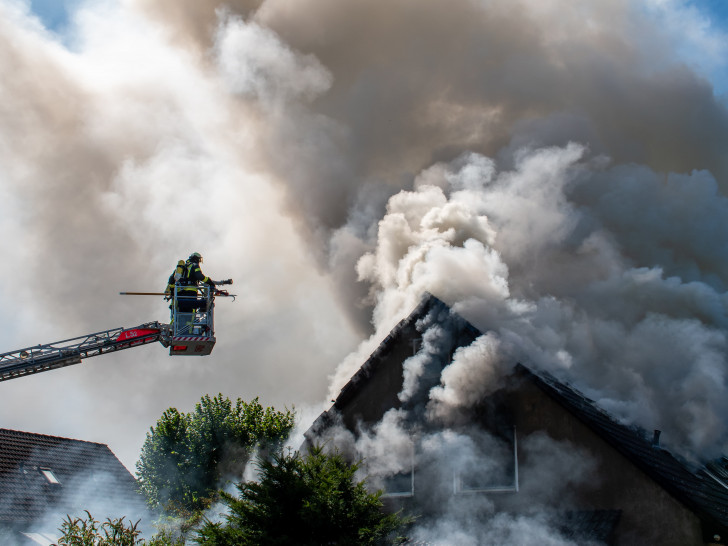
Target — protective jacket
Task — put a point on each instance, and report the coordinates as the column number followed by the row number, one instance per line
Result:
column 193, row 276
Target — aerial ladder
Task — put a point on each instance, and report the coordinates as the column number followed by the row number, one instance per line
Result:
column 188, row 334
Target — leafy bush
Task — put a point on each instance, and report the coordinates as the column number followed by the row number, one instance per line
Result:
column 185, row 456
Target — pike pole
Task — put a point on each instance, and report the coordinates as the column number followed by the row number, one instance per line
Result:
column 222, row 293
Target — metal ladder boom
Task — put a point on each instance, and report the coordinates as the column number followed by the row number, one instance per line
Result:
column 41, row 358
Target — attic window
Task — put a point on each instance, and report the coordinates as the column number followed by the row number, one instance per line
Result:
column 502, row 478
column 49, row 476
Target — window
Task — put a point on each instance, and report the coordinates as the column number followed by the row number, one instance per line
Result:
column 401, row 484
column 501, row 477
column 49, row 476
column 474, row 461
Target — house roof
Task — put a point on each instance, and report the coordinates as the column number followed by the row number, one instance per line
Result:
column 703, row 490
column 39, row 473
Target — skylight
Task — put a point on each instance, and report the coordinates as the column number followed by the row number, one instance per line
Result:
column 49, row 475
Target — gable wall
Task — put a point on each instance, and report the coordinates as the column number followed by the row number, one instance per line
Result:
column 649, row 514
column 377, row 393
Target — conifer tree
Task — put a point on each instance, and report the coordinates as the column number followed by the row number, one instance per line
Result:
column 303, row 500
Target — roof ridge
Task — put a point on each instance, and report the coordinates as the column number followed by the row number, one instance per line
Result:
column 37, row 434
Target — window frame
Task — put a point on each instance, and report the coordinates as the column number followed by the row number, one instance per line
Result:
column 49, row 475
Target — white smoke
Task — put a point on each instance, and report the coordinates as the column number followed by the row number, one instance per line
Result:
column 418, row 368
column 388, row 447
column 254, row 63
column 539, row 258
column 473, row 373
column 123, row 152
column 464, row 478
column 552, row 282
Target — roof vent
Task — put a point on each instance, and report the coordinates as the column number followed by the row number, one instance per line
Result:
column 656, row 439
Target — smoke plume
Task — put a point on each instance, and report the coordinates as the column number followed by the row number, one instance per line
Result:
column 556, row 173
column 552, row 282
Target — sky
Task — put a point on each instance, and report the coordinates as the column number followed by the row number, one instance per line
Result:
column 557, row 173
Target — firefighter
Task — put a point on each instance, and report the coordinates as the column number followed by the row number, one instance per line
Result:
column 188, row 284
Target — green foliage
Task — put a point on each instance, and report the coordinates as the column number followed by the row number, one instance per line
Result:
column 113, row 532
column 185, row 456
column 166, row 538
column 89, row 532
column 309, row 500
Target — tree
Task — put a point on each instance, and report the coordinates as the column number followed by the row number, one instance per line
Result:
column 185, row 457
column 304, row 500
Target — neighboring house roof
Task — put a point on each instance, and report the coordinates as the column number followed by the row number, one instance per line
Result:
column 703, row 490
column 40, row 473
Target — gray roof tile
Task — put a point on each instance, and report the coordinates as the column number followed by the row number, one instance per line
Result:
column 83, row 469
